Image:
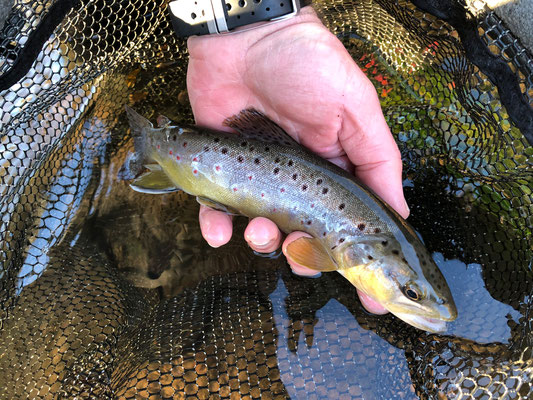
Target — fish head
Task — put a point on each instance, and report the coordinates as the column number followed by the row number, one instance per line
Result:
column 403, row 279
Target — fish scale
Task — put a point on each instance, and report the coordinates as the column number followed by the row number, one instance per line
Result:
column 261, row 171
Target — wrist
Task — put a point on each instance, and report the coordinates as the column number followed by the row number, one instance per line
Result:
column 212, row 17
column 243, row 37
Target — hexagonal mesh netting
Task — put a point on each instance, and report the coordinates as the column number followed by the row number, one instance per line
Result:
column 106, row 293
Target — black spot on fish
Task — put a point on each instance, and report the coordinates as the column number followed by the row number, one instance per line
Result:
column 334, row 247
column 319, row 181
column 276, row 171
column 396, row 252
column 257, row 161
column 252, row 148
column 295, row 176
column 341, row 207
column 384, row 243
column 370, row 257
column 424, row 263
column 323, row 233
column 341, row 240
column 206, row 148
column 277, row 160
column 244, row 144
column 240, row 159
column 290, row 163
column 224, row 150
column 377, row 230
column 174, row 138
column 217, row 140
column 361, row 227
column 404, row 260
column 304, row 187
column 325, row 191
column 309, row 222
column 267, row 148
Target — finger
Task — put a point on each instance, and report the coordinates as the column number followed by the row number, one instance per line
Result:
column 262, row 235
column 298, row 269
column 369, row 145
column 371, row 305
column 343, row 162
column 216, row 226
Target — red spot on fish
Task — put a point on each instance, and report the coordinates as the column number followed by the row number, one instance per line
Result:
column 301, row 222
column 184, row 144
column 195, row 171
column 178, row 158
column 158, row 147
column 312, row 206
column 195, row 159
column 282, row 190
column 217, row 167
column 170, row 152
column 262, row 195
column 234, row 189
column 250, row 177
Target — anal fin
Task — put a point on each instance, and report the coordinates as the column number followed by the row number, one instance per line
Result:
column 154, row 181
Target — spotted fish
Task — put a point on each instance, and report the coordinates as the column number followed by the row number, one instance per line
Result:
column 262, row 171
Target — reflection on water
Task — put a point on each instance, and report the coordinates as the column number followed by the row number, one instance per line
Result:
column 468, row 288
column 333, row 351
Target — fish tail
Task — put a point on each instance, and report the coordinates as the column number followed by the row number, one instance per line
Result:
column 139, row 127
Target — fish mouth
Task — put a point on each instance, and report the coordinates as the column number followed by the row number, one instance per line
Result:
column 432, row 325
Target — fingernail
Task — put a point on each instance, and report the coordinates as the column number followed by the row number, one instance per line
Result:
column 406, row 206
column 261, row 238
column 261, row 245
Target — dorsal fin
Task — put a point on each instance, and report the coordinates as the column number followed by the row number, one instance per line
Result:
column 253, row 124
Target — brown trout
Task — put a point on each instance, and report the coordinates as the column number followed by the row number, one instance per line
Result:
column 262, row 171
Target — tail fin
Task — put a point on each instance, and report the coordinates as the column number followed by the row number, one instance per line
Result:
column 139, row 127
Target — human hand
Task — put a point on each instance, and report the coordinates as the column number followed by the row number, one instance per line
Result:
column 301, row 76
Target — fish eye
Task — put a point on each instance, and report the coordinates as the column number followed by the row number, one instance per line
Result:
column 411, row 293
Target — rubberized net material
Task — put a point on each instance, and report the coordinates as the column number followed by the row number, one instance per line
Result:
column 107, row 293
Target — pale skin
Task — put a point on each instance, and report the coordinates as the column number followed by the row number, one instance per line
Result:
column 301, row 76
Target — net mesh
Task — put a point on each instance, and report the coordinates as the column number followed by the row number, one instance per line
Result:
column 73, row 326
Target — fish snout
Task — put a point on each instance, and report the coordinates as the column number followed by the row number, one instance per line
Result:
column 447, row 311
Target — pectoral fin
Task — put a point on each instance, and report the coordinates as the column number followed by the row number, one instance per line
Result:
column 155, row 181
column 217, row 206
column 310, row 253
